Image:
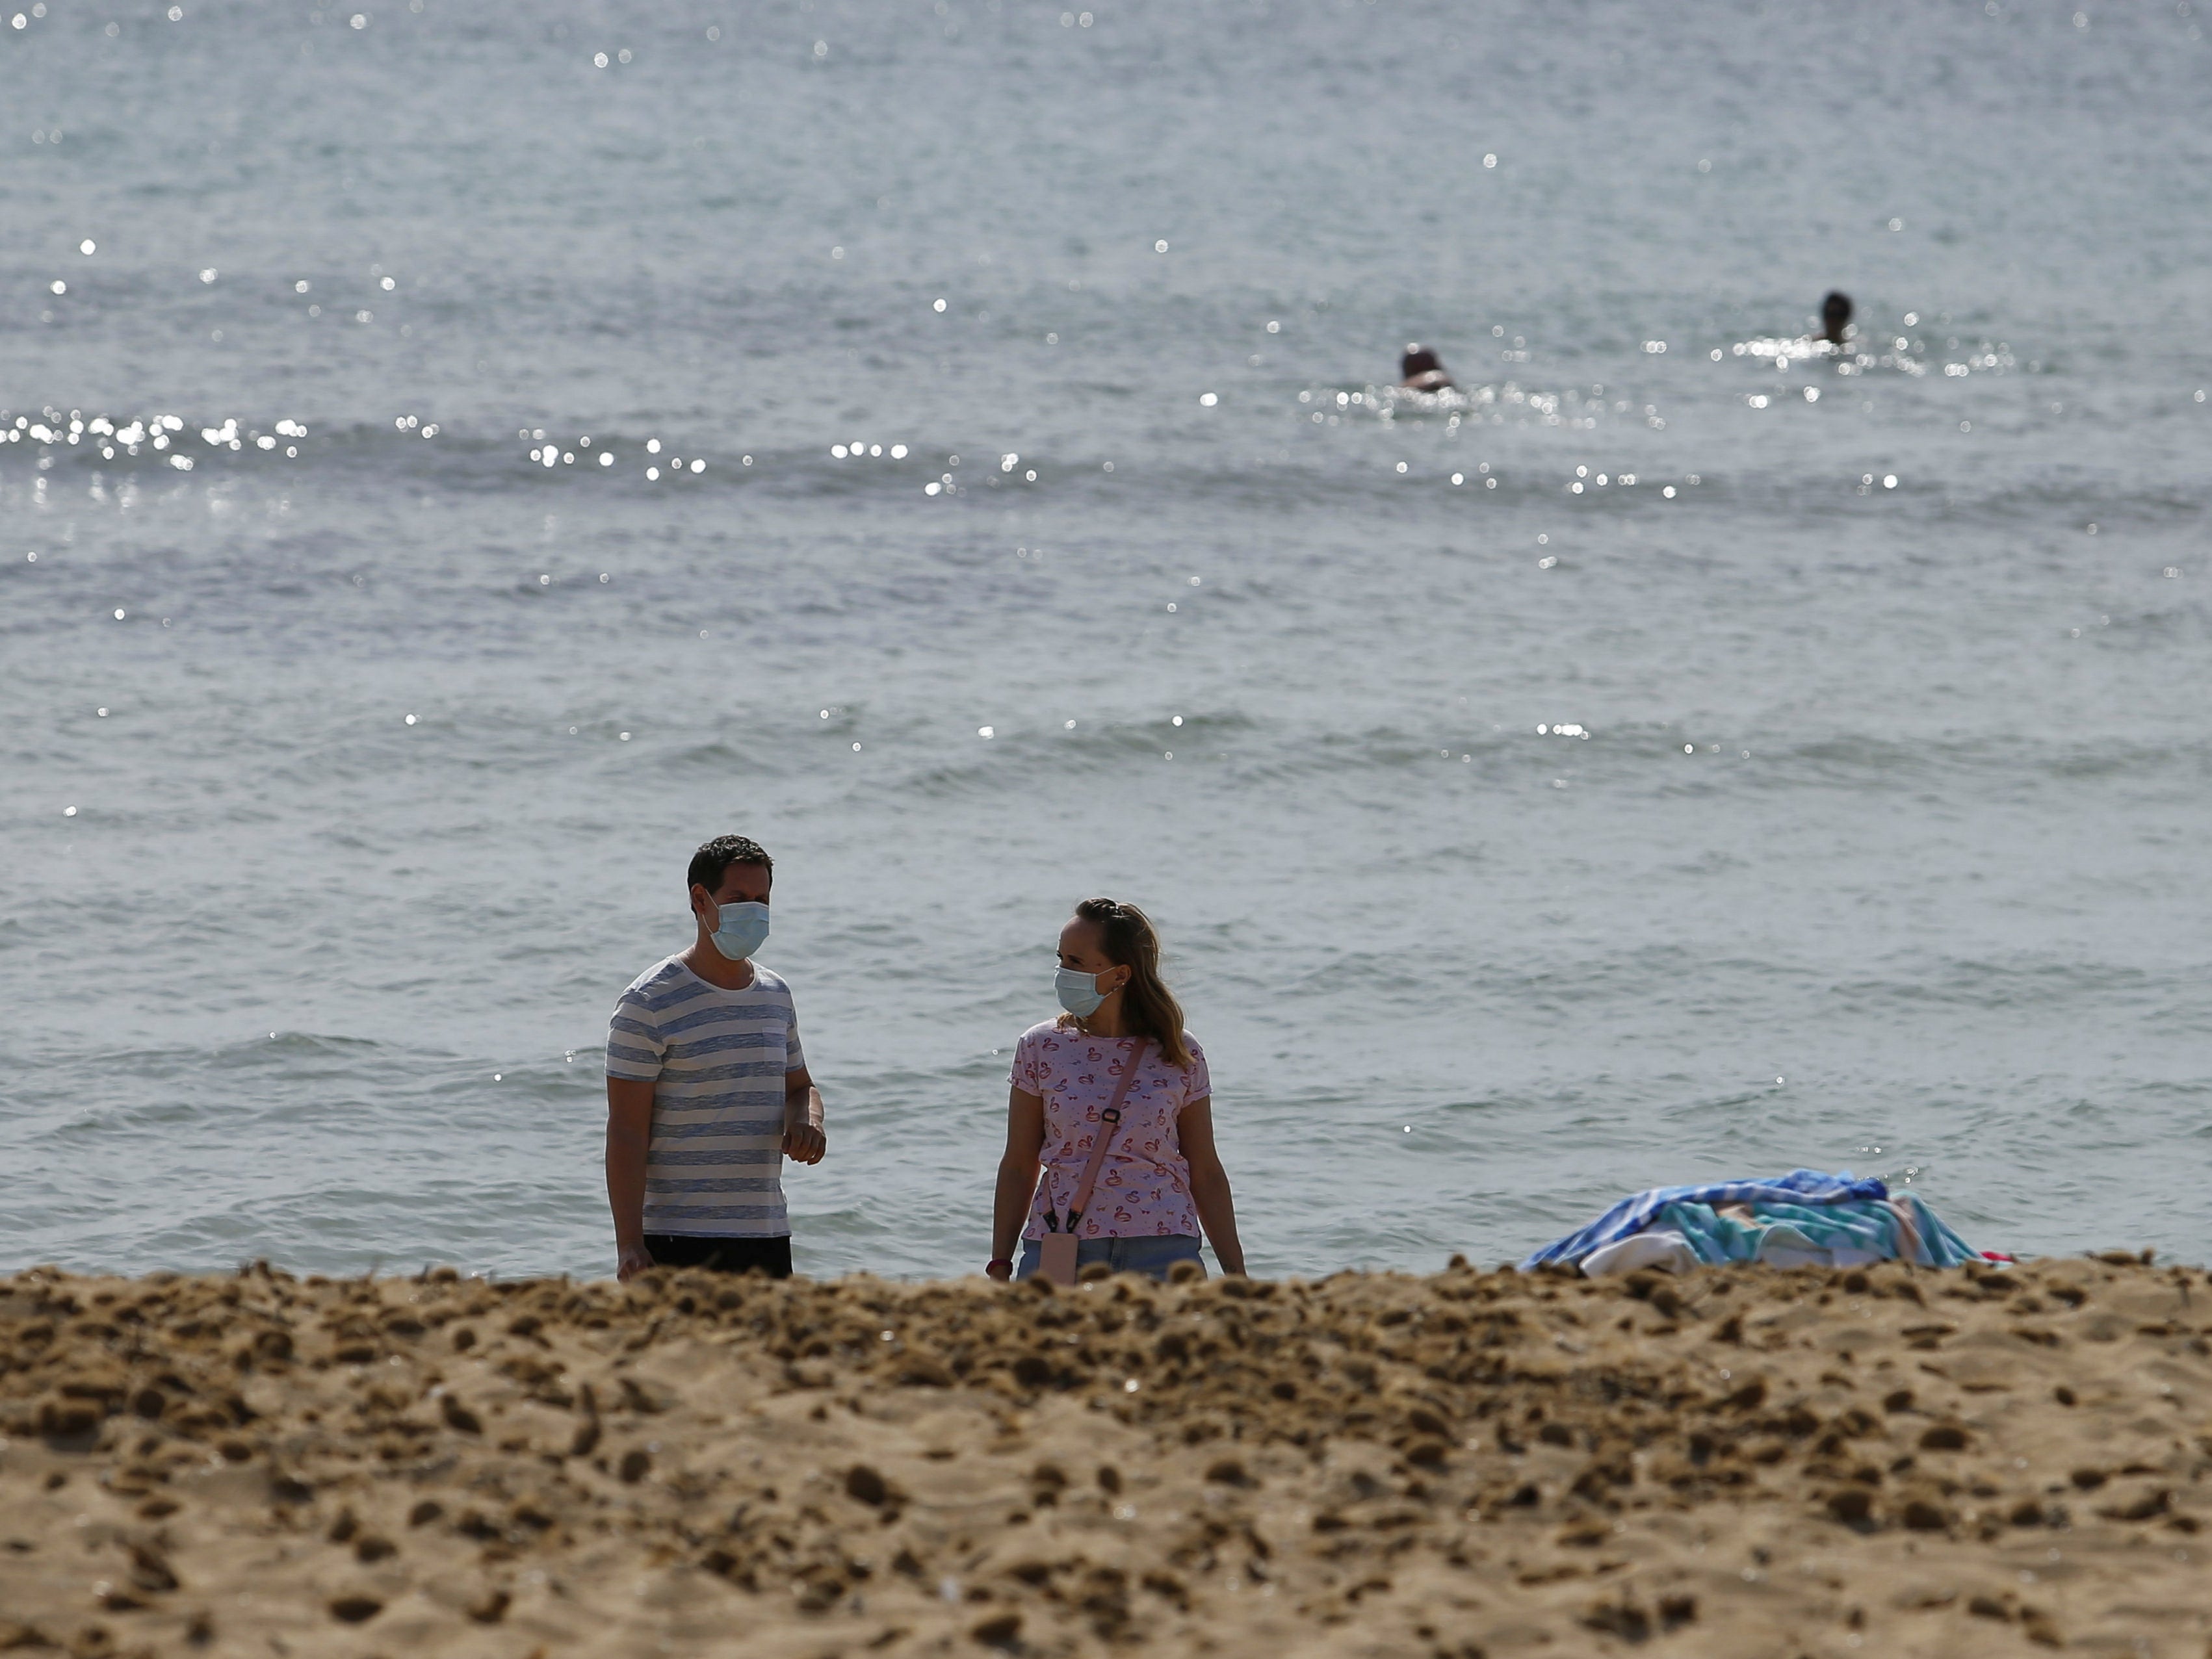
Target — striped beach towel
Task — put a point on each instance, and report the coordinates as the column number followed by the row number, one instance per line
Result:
column 1803, row 1212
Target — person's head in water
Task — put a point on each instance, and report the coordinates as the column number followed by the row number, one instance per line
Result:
column 1421, row 369
column 1835, row 316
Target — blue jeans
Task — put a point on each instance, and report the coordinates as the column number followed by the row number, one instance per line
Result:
column 1151, row 1256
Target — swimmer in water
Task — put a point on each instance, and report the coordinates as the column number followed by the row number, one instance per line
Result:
column 1419, row 371
column 1835, row 318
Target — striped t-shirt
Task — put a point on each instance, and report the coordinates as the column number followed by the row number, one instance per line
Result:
column 717, row 1060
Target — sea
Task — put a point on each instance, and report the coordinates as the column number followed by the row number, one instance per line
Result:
column 461, row 456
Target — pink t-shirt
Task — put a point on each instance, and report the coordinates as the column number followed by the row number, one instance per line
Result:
column 1143, row 1187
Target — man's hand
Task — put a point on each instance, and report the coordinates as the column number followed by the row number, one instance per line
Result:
column 803, row 1140
column 631, row 1260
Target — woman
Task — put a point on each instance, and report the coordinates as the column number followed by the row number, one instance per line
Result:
column 1162, row 1179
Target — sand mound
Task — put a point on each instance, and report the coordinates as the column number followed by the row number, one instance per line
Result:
column 1742, row 1462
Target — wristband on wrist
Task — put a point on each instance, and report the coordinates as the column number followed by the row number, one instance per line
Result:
column 999, row 1262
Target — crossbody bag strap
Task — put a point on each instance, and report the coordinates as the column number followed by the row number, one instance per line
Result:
column 1109, row 1120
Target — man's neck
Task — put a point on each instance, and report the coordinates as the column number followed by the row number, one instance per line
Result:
column 707, row 960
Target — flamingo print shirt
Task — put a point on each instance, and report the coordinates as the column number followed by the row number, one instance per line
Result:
column 1143, row 1187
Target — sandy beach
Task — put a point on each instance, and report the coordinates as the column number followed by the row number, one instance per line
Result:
column 1476, row 1464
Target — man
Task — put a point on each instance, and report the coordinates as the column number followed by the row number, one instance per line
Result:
column 707, row 1088
column 1835, row 318
column 1420, row 369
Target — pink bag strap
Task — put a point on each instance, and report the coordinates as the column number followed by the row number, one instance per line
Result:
column 1109, row 1120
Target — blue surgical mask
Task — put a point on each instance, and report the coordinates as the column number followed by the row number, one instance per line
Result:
column 743, row 930
column 1078, row 992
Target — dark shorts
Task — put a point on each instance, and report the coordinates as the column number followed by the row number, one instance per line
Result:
column 769, row 1256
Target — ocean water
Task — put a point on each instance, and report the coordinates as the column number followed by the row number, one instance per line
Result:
column 1521, row 834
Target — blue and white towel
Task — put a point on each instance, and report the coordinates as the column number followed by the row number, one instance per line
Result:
column 1800, row 1219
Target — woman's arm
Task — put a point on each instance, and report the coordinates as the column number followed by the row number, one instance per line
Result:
column 1018, row 1173
column 1209, row 1185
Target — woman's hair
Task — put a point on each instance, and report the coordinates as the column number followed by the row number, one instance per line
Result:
column 1148, row 1006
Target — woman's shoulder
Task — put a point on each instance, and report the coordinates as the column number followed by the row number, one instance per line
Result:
column 1046, row 1034
column 1155, row 1055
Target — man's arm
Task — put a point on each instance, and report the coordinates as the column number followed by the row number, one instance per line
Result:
column 630, row 1133
column 803, row 1139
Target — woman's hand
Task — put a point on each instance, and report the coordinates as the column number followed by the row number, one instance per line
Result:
column 631, row 1260
column 1002, row 1270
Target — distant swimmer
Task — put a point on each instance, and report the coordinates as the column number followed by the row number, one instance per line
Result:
column 1419, row 371
column 1835, row 318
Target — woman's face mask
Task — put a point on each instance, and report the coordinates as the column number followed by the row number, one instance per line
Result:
column 1082, row 990
column 1081, row 994
column 1078, row 992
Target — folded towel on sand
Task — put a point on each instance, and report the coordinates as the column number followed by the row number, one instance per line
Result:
column 1804, row 1219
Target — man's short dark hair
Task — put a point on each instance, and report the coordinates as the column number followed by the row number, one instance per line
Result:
column 708, row 863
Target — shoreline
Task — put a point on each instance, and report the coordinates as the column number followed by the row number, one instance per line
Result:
column 1741, row 1461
